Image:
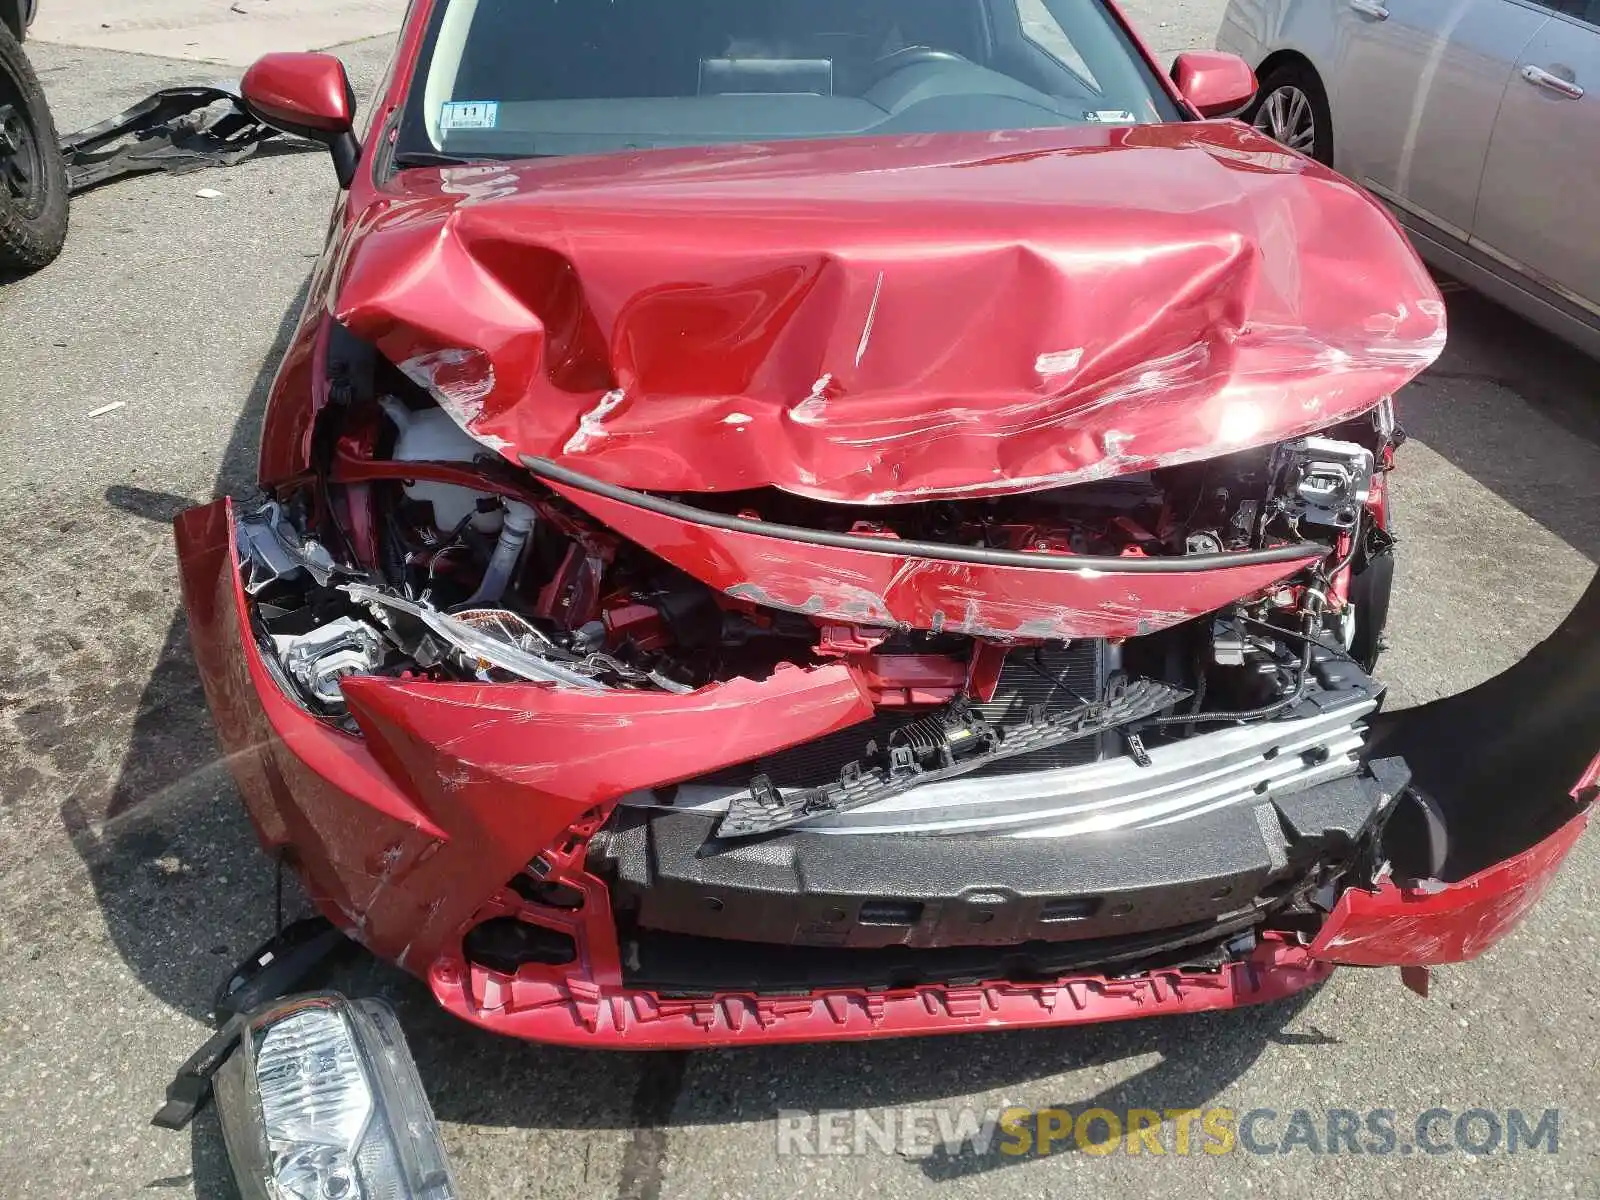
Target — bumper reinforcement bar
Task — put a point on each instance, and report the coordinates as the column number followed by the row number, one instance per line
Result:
column 951, row 743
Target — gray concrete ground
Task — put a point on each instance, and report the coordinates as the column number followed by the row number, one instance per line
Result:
column 131, row 880
column 220, row 31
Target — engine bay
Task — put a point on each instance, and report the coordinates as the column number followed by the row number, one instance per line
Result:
column 416, row 554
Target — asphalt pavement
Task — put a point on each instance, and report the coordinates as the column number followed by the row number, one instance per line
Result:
column 130, row 881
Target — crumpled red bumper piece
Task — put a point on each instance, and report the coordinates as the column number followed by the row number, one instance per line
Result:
column 1396, row 926
column 575, row 1011
column 404, row 834
column 891, row 589
column 409, row 836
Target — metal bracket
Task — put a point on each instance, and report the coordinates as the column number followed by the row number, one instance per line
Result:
column 278, row 967
column 191, row 1087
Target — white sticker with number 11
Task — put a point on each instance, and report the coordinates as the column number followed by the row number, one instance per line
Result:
column 470, row 114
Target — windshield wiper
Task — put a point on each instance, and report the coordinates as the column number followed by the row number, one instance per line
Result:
column 434, row 158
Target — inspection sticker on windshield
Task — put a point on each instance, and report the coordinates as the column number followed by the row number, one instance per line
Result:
column 1111, row 116
column 469, row 114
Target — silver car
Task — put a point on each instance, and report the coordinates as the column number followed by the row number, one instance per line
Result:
column 1478, row 121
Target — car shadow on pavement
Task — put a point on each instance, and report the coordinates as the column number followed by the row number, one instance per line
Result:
column 476, row 1077
column 172, row 857
column 184, row 890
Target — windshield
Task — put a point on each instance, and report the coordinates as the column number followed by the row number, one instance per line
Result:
column 518, row 78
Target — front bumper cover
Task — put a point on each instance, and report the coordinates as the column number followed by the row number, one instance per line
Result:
column 406, row 839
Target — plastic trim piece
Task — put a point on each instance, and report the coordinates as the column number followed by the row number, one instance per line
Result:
column 575, row 1012
column 763, row 809
column 1186, row 779
column 1109, row 565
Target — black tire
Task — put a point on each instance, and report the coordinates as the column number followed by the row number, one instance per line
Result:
column 33, row 177
column 1370, row 592
column 1290, row 80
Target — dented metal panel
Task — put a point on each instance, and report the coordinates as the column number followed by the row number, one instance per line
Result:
column 882, row 320
column 455, row 787
column 902, row 590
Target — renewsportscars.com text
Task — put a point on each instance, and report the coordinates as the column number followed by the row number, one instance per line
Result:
column 1020, row 1132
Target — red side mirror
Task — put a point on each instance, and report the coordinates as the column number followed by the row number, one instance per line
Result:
column 309, row 96
column 1215, row 84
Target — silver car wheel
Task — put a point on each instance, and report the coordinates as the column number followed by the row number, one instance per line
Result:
column 1287, row 116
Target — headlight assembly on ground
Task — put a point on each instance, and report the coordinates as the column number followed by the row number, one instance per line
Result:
column 322, row 1101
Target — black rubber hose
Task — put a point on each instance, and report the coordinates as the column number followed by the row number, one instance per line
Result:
column 1309, row 640
column 1110, row 565
column 1249, row 714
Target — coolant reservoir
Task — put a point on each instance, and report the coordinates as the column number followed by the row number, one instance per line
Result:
column 429, row 435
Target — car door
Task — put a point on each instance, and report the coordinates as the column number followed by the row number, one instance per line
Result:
column 1417, row 89
column 1539, row 207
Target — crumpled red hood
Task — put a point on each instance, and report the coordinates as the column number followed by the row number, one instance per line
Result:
column 889, row 319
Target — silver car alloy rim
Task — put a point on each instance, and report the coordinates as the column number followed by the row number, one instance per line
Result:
column 1287, row 116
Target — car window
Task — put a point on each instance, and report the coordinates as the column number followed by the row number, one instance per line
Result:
column 514, row 78
column 1583, row 10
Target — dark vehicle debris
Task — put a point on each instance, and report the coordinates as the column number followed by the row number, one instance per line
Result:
column 176, row 130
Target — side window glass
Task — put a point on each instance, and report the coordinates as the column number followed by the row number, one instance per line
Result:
column 1583, row 10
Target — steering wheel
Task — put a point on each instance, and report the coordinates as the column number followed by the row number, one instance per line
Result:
column 910, row 56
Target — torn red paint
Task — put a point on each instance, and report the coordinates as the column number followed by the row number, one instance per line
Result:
column 406, row 832
column 1442, row 923
column 905, row 591
column 476, row 747
column 1043, row 308
column 1590, row 781
column 405, row 836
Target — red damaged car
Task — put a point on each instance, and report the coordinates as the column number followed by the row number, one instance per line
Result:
column 842, row 518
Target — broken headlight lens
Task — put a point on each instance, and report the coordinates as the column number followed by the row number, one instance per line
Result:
column 322, row 1101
